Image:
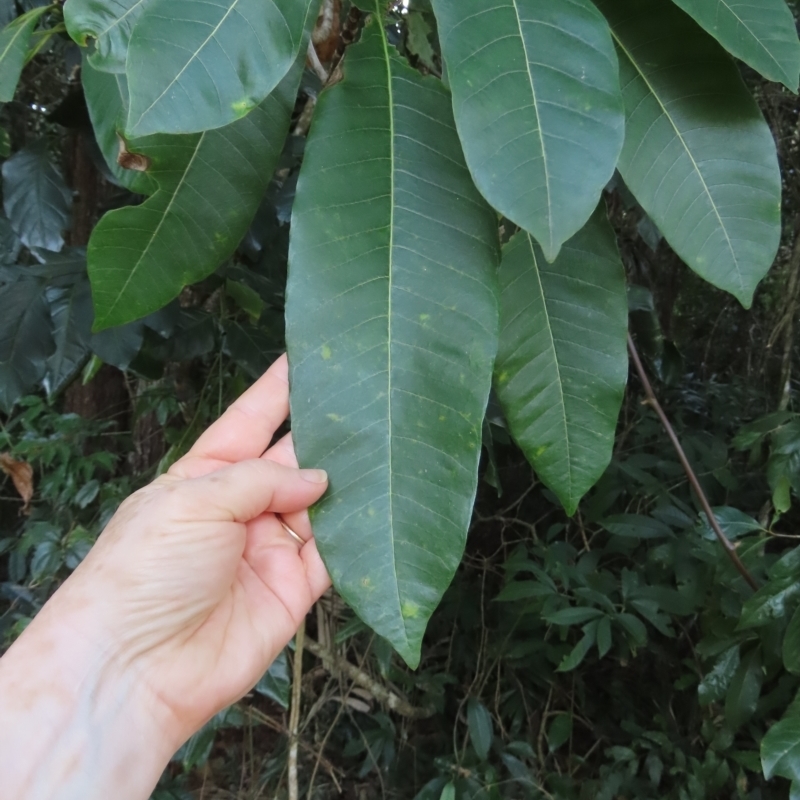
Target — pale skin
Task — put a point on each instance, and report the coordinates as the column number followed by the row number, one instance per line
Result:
column 192, row 590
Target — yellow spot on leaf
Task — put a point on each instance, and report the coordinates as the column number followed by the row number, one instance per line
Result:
column 326, row 352
column 241, row 107
column 409, row 610
column 334, row 417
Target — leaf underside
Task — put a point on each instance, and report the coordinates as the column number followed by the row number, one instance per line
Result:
column 391, row 331
column 761, row 34
column 562, row 363
column 698, row 155
column 109, row 24
column 538, row 107
column 219, row 61
column 210, row 185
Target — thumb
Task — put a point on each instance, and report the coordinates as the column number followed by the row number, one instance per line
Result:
column 242, row 491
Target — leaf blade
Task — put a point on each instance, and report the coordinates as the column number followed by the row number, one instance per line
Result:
column 561, row 390
column 403, row 241
column 707, row 152
column 763, row 36
column 537, row 101
column 197, row 80
column 181, row 225
column 14, row 44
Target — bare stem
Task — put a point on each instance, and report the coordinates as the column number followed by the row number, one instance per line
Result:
column 652, row 401
column 380, row 692
column 294, row 714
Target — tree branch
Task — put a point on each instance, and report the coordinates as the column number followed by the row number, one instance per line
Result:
column 383, row 695
column 652, row 401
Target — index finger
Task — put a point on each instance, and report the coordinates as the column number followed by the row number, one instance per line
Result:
column 245, row 430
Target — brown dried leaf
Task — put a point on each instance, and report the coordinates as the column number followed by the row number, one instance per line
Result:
column 21, row 474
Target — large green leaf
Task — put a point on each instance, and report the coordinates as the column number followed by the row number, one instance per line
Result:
column 538, row 107
column 106, row 99
column 391, row 330
column 36, row 199
column 562, row 363
column 762, row 34
column 780, row 748
column 25, row 338
column 698, row 154
column 218, row 60
column 209, row 187
column 71, row 312
column 744, row 690
column 15, row 41
column 109, row 23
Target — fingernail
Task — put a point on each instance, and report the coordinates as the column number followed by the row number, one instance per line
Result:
column 314, row 475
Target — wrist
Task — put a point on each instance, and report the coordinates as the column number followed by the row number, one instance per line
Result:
column 75, row 718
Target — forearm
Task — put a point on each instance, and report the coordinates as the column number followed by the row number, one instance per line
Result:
column 74, row 722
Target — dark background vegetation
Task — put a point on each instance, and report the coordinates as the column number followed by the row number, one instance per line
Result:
column 570, row 659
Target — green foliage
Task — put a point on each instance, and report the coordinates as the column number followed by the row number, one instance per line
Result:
column 394, row 332
column 560, row 375
column 596, row 641
column 538, row 108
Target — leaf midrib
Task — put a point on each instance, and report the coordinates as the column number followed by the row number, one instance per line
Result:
column 19, row 31
column 189, row 60
column 539, row 122
column 559, row 381
column 158, row 227
column 696, row 166
column 390, row 288
column 775, row 61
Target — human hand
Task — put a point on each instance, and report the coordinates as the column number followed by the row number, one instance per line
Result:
column 195, row 583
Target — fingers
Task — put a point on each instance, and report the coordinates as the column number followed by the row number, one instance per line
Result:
column 247, row 427
column 283, row 453
column 242, row 491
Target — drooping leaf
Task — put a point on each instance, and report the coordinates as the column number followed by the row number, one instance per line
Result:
column 37, row 202
column 71, row 312
column 714, row 685
column 120, row 345
column 209, row 187
column 218, row 62
column 562, row 363
column 761, row 34
column 744, row 690
column 559, row 731
column 106, row 99
column 791, row 644
column 575, row 657
column 538, row 107
column 636, row 526
column 15, row 41
column 391, row 331
column 698, row 154
column 780, row 748
column 109, row 23
column 25, row 339
column 481, row 728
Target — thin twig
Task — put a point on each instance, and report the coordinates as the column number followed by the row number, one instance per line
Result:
column 652, row 401
column 380, row 692
column 316, row 64
column 294, row 714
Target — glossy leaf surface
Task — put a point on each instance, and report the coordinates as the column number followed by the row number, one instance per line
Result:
column 37, row 202
column 109, row 23
column 15, row 41
column 538, row 107
column 25, row 339
column 219, row 61
column 209, row 187
column 698, row 154
column 562, row 363
column 761, row 34
column 391, row 331
column 780, row 749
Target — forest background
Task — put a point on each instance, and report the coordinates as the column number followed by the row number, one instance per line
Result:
column 653, row 672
